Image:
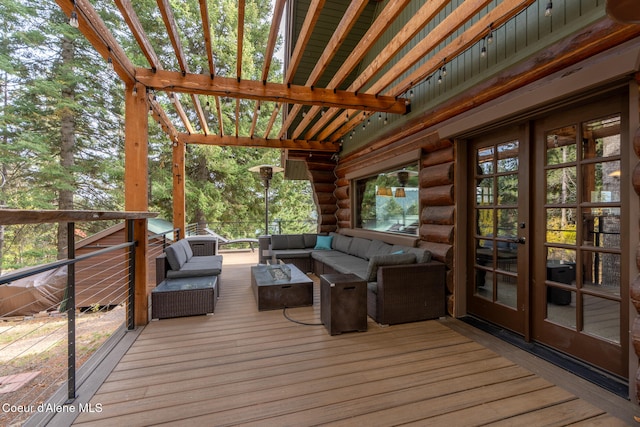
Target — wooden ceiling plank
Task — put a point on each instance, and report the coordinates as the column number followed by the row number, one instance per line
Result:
column 424, row 15
column 97, row 33
column 456, row 19
column 349, row 19
column 496, row 18
column 308, row 25
column 259, row 142
column 277, row 92
column 161, row 117
column 380, row 25
column 181, row 113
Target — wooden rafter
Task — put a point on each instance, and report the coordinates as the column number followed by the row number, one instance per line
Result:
column 134, row 24
column 278, row 10
column 503, row 12
column 349, row 19
column 206, row 31
column 380, row 25
column 172, row 31
column 248, row 89
column 303, row 38
column 97, row 33
column 457, row 18
column 495, row 18
column 422, row 17
column 241, row 6
column 259, row 142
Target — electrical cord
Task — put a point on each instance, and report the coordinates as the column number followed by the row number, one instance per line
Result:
column 284, row 313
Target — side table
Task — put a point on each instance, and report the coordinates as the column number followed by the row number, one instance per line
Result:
column 187, row 296
column 343, row 303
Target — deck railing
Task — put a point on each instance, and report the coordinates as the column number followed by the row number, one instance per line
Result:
column 33, row 345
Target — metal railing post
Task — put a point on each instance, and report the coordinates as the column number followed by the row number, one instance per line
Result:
column 71, row 313
column 131, row 297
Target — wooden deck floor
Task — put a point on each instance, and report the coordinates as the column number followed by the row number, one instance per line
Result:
column 241, row 366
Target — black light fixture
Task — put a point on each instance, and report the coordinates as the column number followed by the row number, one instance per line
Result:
column 266, row 174
column 549, row 9
column 73, row 17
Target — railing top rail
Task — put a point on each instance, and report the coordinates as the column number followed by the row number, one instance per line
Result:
column 27, row 216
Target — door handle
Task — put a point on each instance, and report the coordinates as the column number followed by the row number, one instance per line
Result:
column 520, row 240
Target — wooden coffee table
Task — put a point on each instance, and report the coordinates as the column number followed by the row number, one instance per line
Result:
column 273, row 290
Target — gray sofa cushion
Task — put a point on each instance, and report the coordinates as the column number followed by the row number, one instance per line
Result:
column 291, row 253
column 341, row 243
column 310, row 240
column 359, row 247
column 378, row 247
column 176, row 256
column 422, row 255
column 391, row 259
column 186, row 247
column 287, row 241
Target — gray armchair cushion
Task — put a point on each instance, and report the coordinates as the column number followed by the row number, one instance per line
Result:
column 176, row 256
column 422, row 255
column 391, row 259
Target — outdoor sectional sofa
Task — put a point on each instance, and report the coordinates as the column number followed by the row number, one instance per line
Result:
column 190, row 257
column 403, row 283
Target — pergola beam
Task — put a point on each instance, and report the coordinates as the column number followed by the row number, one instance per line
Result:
column 266, row 91
column 329, row 147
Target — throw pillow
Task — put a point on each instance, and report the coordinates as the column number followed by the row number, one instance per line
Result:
column 323, row 243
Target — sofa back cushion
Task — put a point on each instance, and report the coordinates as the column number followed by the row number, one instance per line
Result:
column 341, row 243
column 378, row 247
column 391, row 259
column 359, row 247
column 310, row 240
column 186, row 247
column 287, row 241
column 422, row 255
column 176, row 256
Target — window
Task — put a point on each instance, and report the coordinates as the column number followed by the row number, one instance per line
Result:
column 389, row 201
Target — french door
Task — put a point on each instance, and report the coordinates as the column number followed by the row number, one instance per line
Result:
column 545, row 232
column 499, row 229
column 579, row 304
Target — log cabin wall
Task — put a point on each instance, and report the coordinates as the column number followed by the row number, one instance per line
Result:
column 436, row 193
column 437, row 201
column 321, row 174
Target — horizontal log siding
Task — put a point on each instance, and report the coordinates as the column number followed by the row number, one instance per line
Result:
column 437, row 200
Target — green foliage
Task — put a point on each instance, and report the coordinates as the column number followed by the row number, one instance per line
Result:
column 55, row 84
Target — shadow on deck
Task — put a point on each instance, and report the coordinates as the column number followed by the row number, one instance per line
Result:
column 241, row 366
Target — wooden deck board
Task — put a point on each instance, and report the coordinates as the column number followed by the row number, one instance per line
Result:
column 241, row 366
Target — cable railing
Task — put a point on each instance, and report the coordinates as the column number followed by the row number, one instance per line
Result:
column 233, row 230
column 89, row 300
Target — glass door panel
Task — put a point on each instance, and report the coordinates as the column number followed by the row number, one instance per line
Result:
column 582, row 208
column 499, row 222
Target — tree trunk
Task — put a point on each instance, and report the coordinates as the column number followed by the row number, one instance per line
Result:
column 67, row 148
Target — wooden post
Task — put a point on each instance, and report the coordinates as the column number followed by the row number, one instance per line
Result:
column 136, row 193
column 179, row 202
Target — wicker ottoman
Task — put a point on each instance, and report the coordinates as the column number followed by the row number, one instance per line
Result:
column 188, row 296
